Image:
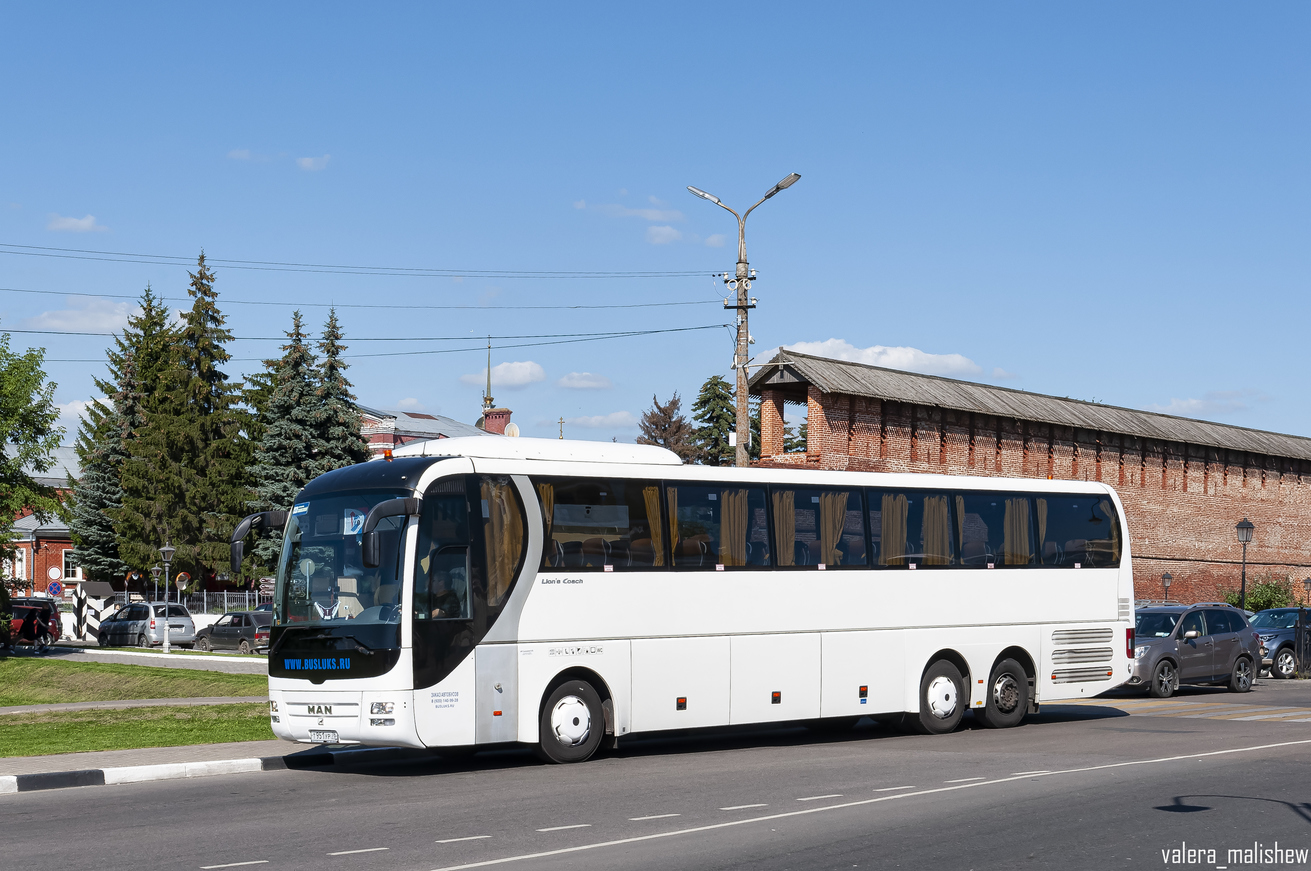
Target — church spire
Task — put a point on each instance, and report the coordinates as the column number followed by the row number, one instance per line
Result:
column 487, row 394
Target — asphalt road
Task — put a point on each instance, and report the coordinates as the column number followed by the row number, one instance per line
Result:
column 1079, row 786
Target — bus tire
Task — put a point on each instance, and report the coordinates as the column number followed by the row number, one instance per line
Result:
column 573, row 723
column 1008, row 696
column 942, row 700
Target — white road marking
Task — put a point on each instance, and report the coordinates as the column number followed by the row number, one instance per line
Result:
column 470, row 838
column 742, row 807
column 818, row 797
column 365, row 850
column 893, row 788
column 965, row 780
column 1027, row 773
column 833, row 807
column 1267, row 716
column 562, row 828
column 652, row 817
column 235, row 864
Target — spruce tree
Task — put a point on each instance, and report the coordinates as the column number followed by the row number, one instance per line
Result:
column 665, row 426
column 289, row 453
column 101, row 449
column 715, row 410
column 339, row 422
column 185, row 479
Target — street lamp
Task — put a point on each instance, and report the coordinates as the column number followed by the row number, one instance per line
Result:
column 167, row 552
column 1165, row 582
column 1244, row 529
column 155, row 570
column 740, row 284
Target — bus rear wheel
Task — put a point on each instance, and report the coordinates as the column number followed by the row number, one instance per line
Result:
column 942, row 700
column 1008, row 696
column 573, row 723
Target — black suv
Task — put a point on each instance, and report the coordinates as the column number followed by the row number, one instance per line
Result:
column 1193, row 644
column 1277, row 628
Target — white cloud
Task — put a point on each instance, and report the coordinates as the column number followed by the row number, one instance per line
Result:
column 1000, row 374
column 906, row 359
column 580, row 204
column 616, row 211
column 240, row 154
column 409, row 403
column 516, row 374
column 1212, row 403
column 584, row 381
column 716, row 240
column 84, row 313
column 313, row 164
column 662, row 235
column 613, row 420
column 87, row 224
column 71, row 414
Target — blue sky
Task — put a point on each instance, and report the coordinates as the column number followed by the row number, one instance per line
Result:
column 1106, row 202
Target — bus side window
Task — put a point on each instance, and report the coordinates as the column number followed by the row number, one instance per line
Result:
column 1077, row 531
column 995, row 529
column 441, row 574
column 818, row 527
column 503, row 535
column 718, row 525
column 911, row 528
column 594, row 523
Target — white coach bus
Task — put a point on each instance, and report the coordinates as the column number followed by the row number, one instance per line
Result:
column 478, row 591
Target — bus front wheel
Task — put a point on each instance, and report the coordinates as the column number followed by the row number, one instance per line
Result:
column 573, row 723
column 942, row 700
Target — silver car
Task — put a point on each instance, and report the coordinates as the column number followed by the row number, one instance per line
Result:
column 141, row 624
column 1194, row 644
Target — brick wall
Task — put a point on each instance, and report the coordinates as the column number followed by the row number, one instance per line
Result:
column 1181, row 501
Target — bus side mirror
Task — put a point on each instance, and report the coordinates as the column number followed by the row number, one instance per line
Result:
column 238, row 551
column 370, row 546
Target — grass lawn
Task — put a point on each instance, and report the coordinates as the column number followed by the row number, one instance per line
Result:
column 77, row 731
column 31, row 681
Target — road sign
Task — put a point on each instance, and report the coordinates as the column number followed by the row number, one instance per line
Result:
column 55, row 588
column 182, row 580
column 266, row 586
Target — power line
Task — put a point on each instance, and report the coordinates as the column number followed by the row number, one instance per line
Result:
column 364, row 305
column 480, row 347
column 353, row 339
column 279, row 266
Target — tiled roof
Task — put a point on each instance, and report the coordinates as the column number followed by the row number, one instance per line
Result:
column 791, row 372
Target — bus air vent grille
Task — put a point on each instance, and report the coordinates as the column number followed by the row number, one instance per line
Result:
column 1081, row 636
column 1085, row 654
column 1126, row 610
column 1081, row 675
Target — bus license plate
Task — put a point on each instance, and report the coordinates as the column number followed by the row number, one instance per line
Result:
column 323, row 736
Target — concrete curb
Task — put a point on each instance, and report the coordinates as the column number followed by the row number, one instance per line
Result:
column 15, row 783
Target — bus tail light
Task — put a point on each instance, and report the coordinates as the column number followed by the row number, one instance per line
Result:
column 1128, row 642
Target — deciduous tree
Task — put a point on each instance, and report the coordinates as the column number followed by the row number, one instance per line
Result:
column 28, row 438
column 665, row 426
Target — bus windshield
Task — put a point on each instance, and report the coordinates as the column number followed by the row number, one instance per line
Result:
column 321, row 576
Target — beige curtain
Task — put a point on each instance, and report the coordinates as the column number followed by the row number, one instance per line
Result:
column 652, row 497
column 733, row 527
column 1042, row 527
column 937, row 531
column 785, row 526
column 1016, row 542
column 671, row 496
column 546, row 495
column 503, row 533
column 960, row 523
column 832, row 520
column 895, row 509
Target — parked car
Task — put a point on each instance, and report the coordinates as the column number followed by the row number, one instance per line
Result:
column 236, row 630
column 141, row 623
column 1277, row 628
column 49, row 609
column 1193, row 644
column 31, row 627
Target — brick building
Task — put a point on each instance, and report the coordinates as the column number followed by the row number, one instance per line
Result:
column 392, row 428
column 44, row 551
column 1184, row 483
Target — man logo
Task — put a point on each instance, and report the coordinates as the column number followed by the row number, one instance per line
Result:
column 320, row 710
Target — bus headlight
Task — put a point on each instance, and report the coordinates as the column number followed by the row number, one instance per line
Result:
column 382, row 707
column 273, row 706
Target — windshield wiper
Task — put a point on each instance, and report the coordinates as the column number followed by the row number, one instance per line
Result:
column 323, row 636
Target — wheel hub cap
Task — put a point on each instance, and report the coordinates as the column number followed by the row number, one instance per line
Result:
column 941, row 697
column 571, row 721
column 1006, row 693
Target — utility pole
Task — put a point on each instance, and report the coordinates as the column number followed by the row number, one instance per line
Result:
column 740, row 286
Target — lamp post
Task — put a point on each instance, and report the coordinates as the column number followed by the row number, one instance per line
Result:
column 740, row 284
column 1166, row 579
column 1244, row 529
column 154, row 571
column 167, row 552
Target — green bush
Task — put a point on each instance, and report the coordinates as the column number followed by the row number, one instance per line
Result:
column 1264, row 591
